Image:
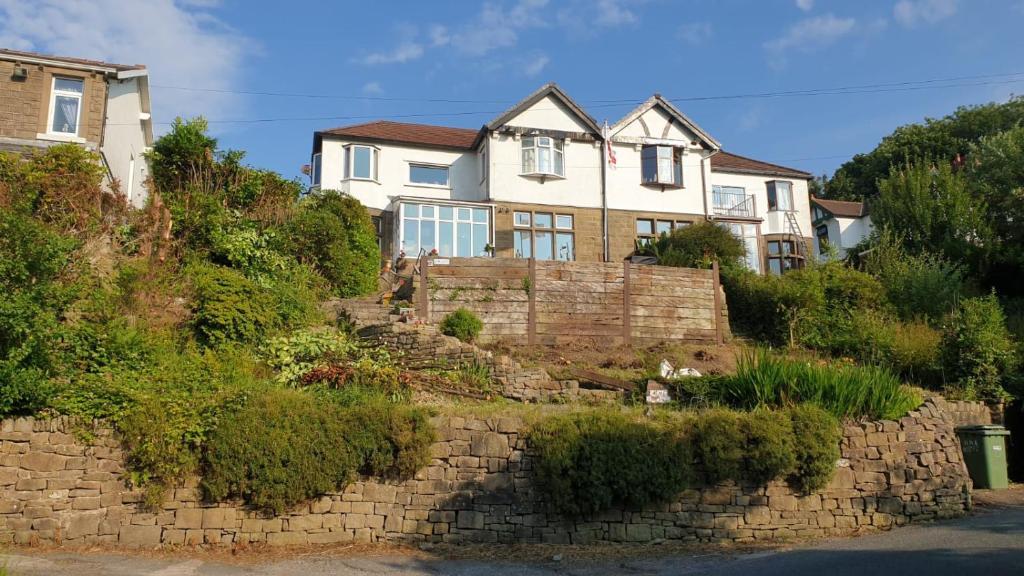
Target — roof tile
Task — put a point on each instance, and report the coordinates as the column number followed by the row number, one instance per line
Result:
column 726, row 162
column 404, row 133
column 14, row 54
column 841, row 208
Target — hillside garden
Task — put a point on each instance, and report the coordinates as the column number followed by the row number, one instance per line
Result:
column 195, row 326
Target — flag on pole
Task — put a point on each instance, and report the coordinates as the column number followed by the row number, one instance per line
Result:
column 611, row 154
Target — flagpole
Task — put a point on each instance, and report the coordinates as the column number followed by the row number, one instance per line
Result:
column 605, row 143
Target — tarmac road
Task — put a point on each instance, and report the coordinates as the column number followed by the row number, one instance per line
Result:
column 990, row 543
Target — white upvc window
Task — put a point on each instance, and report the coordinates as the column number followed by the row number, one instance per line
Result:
column 314, row 171
column 662, row 165
column 450, row 230
column 65, row 105
column 543, row 155
column 780, row 195
column 428, row 175
column 748, row 234
column 361, row 162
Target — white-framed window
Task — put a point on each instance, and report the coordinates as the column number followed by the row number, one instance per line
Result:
column 748, row 234
column 314, row 170
column 428, row 174
column 544, row 236
column 543, row 155
column 662, row 165
column 780, row 195
column 361, row 162
column 461, row 231
column 66, row 105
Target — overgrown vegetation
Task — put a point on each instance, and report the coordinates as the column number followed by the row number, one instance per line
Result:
column 462, row 324
column 591, row 461
column 158, row 319
column 695, row 246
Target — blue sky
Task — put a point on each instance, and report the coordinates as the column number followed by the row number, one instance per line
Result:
column 204, row 54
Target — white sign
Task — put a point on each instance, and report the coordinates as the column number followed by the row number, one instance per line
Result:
column 439, row 262
column 657, row 394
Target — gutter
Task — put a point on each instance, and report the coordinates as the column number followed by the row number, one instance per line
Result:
column 605, row 142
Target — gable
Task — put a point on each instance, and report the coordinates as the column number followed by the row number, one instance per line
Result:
column 549, row 114
column 656, row 123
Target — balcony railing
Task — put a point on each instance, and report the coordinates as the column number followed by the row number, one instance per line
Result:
column 733, row 204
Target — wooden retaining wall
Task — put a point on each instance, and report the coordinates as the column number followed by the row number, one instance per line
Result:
column 548, row 302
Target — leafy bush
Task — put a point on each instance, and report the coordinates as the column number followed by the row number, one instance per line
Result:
column 846, row 391
column 914, row 352
column 298, row 353
column 817, row 446
column 333, row 233
column 283, row 447
column 228, row 307
column 977, row 349
column 696, row 246
column 60, row 185
column 591, row 461
column 462, row 324
column 918, row 285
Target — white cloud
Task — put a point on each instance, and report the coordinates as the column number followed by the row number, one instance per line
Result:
column 372, row 88
column 612, row 13
column 912, row 13
column 181, row 43
column 536, row 65
column 439, row 35
column 808, row 35
column 694, row 33
column 496, row 27
column 805, row 5
column 404, row 52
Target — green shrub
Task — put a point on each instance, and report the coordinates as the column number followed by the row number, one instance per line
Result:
column 591, row 461
column 977, row 350
column 283, row 447
column 333, row 233
column 720, row 445
column 817, row 435
column 918, row 285
column 846, row 391
column 462, row 324
column 915, row 353
column 770, row 446
column 228, row 307
column 696, row 246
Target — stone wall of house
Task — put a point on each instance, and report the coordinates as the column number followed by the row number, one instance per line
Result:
column 477, row 488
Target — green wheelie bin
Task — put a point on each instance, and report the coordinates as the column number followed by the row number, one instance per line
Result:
column 985, row 455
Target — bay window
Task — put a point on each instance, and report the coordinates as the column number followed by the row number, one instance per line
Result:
column 543, row 155
column 66, row 105
column 544, row 236
column 662, row 165
column 461, row 231
column 748, row 234
column 783, row 256
column 361, row 162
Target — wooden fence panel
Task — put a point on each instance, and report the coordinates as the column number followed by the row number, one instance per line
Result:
column 558, row 302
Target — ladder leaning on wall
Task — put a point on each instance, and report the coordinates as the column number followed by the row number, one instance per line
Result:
column 793, row 228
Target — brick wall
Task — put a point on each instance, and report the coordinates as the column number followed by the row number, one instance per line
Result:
column 477, row 488
column 25, row 104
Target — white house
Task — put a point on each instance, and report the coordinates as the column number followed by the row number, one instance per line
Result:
column 45, row 100
column 839, row 224
column 544, row 179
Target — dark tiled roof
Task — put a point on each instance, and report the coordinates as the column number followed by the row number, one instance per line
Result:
column 726, row 162
column 403, row 133
column 7, row 54
column 841, row 208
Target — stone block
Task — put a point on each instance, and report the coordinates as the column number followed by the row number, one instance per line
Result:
column 638, row 532
column 216, row 518
column 139, row 536
column 287, row 538
column 43, row 462
column 782, row 503
column 468, row 519
column 490, row 444
column 188, row 518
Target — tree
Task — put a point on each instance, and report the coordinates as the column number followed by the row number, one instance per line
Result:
column 930, row 208
column 697, row 246
column 996, row 173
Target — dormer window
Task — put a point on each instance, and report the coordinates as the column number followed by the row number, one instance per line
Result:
column 543, row 156
column 662, row 165
column 360, row 162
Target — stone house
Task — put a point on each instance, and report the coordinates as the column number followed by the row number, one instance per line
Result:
column 839, row 224
column 544, row 179
column 45, row 100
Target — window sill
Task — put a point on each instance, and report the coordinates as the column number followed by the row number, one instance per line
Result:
column 57, row 137
column 360, row 180
column 662, row 186
column 542, row 176
column 430, row 186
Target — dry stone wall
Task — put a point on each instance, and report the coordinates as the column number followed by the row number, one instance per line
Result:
column 477, row 488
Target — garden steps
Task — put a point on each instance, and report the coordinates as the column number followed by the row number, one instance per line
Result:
column 361, row 311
